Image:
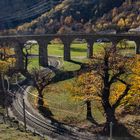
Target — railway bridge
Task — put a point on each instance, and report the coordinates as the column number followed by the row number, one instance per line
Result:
column 17, row 42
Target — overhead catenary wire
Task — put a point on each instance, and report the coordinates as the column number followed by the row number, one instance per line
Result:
column 49, row 125
column 30, row 9
column 51, row 103
column 62, row 110
column 48, row 102
column 26, row 14
column 23, row 10
column 30, row 12
column 50, row 106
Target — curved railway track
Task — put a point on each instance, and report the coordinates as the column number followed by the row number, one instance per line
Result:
column 45, row 126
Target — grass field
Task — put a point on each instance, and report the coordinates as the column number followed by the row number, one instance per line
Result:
column 66, row 66
column 9, row 133
column 1, row 109
column 57, row 49
column 78, row 53
column 63, row 107
column 77, row 50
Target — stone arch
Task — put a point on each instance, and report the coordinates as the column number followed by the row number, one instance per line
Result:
column 78, row 47
column 31, row 54
column 100, row 43
column 18, row 43
column 126, row 47
column 55, row 47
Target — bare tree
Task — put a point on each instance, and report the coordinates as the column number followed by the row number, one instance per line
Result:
column 41, row 79
column 26, row 54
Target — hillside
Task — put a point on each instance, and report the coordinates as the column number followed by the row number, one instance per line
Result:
column 122, row 19
column 70, row 13
column 84, row 16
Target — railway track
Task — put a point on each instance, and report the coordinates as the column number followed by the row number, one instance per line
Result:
column 48, row 127
column 44, row 126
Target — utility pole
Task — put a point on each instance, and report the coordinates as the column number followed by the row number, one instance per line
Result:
column 5, row 98
column 24, row 114
column 23, row 105
column 111, row 130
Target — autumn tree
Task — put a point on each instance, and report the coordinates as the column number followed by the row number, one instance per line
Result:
column 6, row 61
column 26, row 57
column 6, row 64
column 68, row 20
column 129, row 2
column 83, row 89
column 116, row 76
column 132, row 100
column 41, row 79
column 114, row 12
column 121, row 23
column 115, row 79
column 27, row 53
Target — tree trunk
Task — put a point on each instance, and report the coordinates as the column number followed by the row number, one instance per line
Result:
column 26, row 62
column 0, row 83
column 1, row 93
column 40, row 100
column 89, row 112
column 110, row 115
column 2, row 90
column 109, row 110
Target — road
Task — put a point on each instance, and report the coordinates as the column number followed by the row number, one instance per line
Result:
column 36, row 122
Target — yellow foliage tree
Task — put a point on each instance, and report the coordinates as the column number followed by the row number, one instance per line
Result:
column 68, row 20
column 83, row 88
column 6, row 62
column 133, row 96
column 114, row 81
column 121, row 23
